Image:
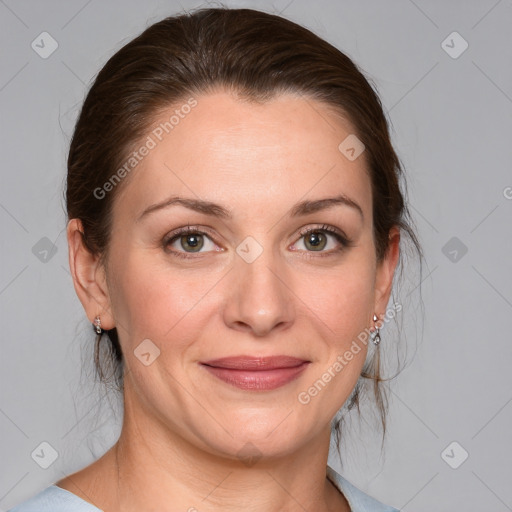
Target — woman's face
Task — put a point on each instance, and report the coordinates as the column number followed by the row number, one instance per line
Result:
column 245, row 281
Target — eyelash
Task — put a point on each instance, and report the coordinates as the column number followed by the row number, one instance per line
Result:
column 342, row 239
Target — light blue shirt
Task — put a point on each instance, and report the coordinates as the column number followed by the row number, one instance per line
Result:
column 56, row 499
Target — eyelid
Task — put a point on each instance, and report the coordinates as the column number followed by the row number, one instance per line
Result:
column 342, row 239
column 189, row 228
column 174, row 235
column 327, row 228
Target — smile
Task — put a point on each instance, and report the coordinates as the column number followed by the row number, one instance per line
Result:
column 256, row 374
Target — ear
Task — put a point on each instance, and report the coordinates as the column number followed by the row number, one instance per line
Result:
column 385, row 272
column 89, row 277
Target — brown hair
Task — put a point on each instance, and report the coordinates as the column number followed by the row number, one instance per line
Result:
column 255, row 54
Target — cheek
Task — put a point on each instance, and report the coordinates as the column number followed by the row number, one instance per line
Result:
column 342, row 299
column 152, row 301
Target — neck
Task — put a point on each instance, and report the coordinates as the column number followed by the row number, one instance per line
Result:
column 151, row 472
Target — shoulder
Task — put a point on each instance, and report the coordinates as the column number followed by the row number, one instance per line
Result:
column 358, row 500
column 54, row 499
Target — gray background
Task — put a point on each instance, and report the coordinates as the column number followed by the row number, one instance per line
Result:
column 452, row 127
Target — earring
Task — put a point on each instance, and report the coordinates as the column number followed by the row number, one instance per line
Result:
column 97, row 325
column 376, row 333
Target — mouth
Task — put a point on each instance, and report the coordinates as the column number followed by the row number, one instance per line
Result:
column 256, row 373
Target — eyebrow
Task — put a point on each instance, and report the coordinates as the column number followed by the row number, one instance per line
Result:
column 208, row 208
column 307, row 207
column 198, row 205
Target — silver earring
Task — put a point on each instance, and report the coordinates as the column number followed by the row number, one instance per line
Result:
column 97, row 325
column 376, row 333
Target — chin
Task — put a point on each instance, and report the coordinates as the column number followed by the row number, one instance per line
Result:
column 272, row 436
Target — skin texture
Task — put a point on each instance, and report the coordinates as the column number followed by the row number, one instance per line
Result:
column 183, row 428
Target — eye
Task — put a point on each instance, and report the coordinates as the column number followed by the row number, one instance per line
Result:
column 325, row 240
column 188, row 240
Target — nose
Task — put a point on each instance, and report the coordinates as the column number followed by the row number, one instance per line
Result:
column 260, row 298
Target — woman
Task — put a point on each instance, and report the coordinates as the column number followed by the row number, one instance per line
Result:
column 234, row 228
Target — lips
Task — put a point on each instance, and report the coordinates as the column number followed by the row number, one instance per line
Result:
column 256, row 373
column 249, row 363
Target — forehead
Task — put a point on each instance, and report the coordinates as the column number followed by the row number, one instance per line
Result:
column 236, row 152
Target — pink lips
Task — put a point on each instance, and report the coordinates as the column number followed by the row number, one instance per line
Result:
column 256, row 373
